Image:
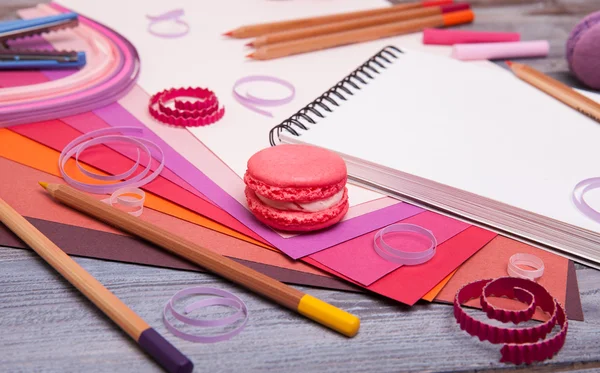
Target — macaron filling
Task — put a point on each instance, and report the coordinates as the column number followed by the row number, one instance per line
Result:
column 312, row 206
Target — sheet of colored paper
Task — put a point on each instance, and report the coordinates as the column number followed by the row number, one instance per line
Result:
column 297, row 248
column 28, row 152
column 431, row 294
column 23, row 192
column 358, row 260
column 109, row 246
column 56, row 134
column 409, row 283
column 492, row 260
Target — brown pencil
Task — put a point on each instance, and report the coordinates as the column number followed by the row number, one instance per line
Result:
column 282, row 294
column 149, row 340
column 556, row 89
column 251, row 31
column 330, row 28
column 360, row 35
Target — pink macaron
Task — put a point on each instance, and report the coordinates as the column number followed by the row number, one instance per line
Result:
column 297, row 188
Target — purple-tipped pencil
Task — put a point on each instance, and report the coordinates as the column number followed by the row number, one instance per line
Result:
column 149, row 340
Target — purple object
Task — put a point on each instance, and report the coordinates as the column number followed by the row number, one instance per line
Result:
column 578, row 193
column 583, row 51
column 164, row 352
column 172, row 15
column 223, row 298
column 250, row 101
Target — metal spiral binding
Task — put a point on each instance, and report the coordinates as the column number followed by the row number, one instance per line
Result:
column 293, row 124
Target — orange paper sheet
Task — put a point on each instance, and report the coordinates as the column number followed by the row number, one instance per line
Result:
column 491, row 262
column 35, row 155
column 23, row 192
column 436, row 290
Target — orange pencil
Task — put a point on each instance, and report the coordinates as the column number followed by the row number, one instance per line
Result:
column 353, row 24
column 360, row 35
column 556, row 89
column 251, row 31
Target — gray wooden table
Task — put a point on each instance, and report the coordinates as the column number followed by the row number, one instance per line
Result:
column 47, row 326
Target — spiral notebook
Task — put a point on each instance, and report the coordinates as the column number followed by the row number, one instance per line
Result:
column 474, row 143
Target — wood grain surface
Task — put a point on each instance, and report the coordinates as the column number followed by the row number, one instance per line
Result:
column 47, row 326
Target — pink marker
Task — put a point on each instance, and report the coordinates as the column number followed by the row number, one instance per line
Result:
column 492, row 51
column 451, row 37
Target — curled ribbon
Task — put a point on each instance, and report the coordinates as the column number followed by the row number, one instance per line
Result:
column 102, row 136
column 521, row 345
column 399, row 256
column 174, row 15
column 202, row 112
column 136, row 203
column 579, row 191
column 223, row 298
column 525, row 259
column 251, row 102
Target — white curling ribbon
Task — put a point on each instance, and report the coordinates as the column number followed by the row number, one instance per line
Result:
column 100, row 137
column 119, row 197
column 528, row 260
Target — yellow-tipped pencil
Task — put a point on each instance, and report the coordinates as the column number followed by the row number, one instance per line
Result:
column 291, row 298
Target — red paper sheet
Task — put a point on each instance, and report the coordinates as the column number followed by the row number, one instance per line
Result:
column 358, row 260
column 408, row 284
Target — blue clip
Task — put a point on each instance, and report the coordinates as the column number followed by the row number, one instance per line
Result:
column 31, row 59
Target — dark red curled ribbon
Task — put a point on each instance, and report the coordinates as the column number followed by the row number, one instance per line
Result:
column 521, row 345
column 204, row 111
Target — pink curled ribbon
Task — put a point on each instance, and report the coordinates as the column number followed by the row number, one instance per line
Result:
column 579, row 191
column 223, row 298
column 399, row 256
column 102, row 136
column 251, row 102
column 174, row 15
column 136, row 204
column 521, row 345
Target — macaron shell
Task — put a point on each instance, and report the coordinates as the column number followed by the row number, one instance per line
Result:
column 297, row 166
column 292, row 194
column 583, row 50
column 294, row 221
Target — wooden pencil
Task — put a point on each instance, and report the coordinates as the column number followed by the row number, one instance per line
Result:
column 556, row 89
column 330, row 28
column 360, row 35
column 251, row 31
column 171, row 359
column 291, row 298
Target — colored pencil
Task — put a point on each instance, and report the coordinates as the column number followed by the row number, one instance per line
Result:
column 289, row 297
column 556, row 89
column 171, row 359
column 360, row 35
column 330, row 28
column 251, row 31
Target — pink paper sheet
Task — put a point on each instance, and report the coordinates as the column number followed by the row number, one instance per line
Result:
column 358, row 260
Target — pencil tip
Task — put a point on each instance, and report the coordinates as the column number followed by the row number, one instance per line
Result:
column 251, row 55
column 43, row 184
column 251, row 44
column 509, row 63
column 228, row 33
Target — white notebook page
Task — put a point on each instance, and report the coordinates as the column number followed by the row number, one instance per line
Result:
column 476, row 129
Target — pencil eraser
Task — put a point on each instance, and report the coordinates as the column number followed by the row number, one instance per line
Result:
column 450, row 37
column 583, row 51
column 492, row 51
column 164, row 352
